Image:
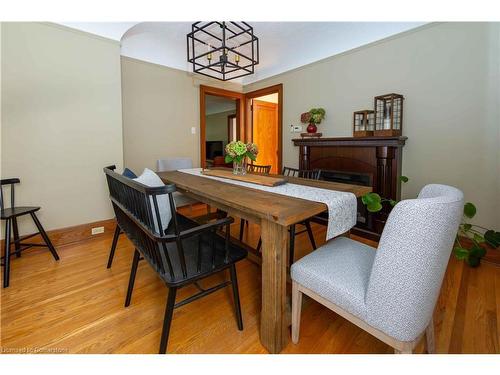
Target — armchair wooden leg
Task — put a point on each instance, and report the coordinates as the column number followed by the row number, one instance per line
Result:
column 429, row 338
column 167, row 320
column 406, row 348
column 296, row 311
column 131, row 280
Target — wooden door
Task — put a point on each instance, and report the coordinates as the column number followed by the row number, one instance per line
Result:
column 265, row 133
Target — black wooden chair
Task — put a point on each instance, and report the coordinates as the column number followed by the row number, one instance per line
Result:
column 312, row 174
column 183, row 254
column 10, row 216
column 259, row 168
column 127, row 173
column 292, row 172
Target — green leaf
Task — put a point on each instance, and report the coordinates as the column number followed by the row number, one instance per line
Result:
column 371, row 198
column 466, row 227
column 492, row 238
column 404, row 179
column 477, row 252
column 478, row 238
column 460, row 252
column 469, row 210
column 251, row 156
column 228, row 159
column 392, row 202
column 473, row 261
column 374, row 207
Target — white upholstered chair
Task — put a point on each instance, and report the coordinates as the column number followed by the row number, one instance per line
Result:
column 173, row 164
column 390, row 291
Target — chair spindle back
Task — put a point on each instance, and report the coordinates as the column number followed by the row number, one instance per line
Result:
column 259, row 168
column 312, row 174
column 138, row 215
column 11, row 182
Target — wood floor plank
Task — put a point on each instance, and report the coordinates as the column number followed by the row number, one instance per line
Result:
column 76, row 306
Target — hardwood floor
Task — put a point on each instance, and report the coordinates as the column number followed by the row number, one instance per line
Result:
column 76, row 306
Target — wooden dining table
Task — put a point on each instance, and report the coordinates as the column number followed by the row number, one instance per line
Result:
column 274, row 213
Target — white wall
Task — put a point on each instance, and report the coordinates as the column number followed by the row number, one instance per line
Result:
column 448, row 74
column 61, row 121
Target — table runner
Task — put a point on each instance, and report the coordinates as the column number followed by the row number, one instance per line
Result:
column 342, row 206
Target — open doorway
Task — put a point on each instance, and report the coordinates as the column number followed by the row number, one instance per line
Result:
column 221, row 121
column 264, row 125
column 252, row 117
column 220, row 125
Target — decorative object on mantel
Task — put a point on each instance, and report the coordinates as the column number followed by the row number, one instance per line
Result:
column 237, row 152
column 311, row 135
column 363, row 123
column 313, row 118
column 388, row 115
column 471, row 241
column 222, row 50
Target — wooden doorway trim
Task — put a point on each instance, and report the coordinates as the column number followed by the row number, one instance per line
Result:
column 240, row 113
column 230, row 126
column 276, row 89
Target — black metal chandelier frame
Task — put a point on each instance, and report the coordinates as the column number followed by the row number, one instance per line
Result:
column 222, row 68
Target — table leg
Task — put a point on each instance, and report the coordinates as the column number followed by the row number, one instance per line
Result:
column 273, row 325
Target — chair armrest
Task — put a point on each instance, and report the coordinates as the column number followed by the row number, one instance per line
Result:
column 205, row 227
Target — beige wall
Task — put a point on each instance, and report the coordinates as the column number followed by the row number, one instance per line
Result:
column 216, row 126
column 449, row 76
column 61, row 120
column 271, row 98
column 160, row 106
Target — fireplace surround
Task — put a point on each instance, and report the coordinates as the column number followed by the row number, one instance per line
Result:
column 369, row 161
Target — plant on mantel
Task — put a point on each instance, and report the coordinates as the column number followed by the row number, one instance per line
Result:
column 313, row 117
column 470, row 239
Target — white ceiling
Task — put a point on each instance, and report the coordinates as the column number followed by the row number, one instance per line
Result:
column 283, row 45
column 111, row 30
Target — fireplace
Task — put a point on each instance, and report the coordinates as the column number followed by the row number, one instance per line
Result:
column 354, row 178
column 369, row 161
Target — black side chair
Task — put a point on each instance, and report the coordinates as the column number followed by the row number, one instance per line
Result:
column 183, row 254
column 302, row 173
column 312, row 174
column 259, row 168
column 127, row 173
column 10, row 216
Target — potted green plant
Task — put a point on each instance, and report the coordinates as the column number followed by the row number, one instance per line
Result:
column 471, row 238
column 313, row 118
column 237, row 152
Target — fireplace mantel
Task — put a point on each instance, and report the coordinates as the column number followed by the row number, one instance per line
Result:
column 351, row 141
column 377, row 158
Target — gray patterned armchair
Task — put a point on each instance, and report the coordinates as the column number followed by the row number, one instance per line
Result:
column 390, row 291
